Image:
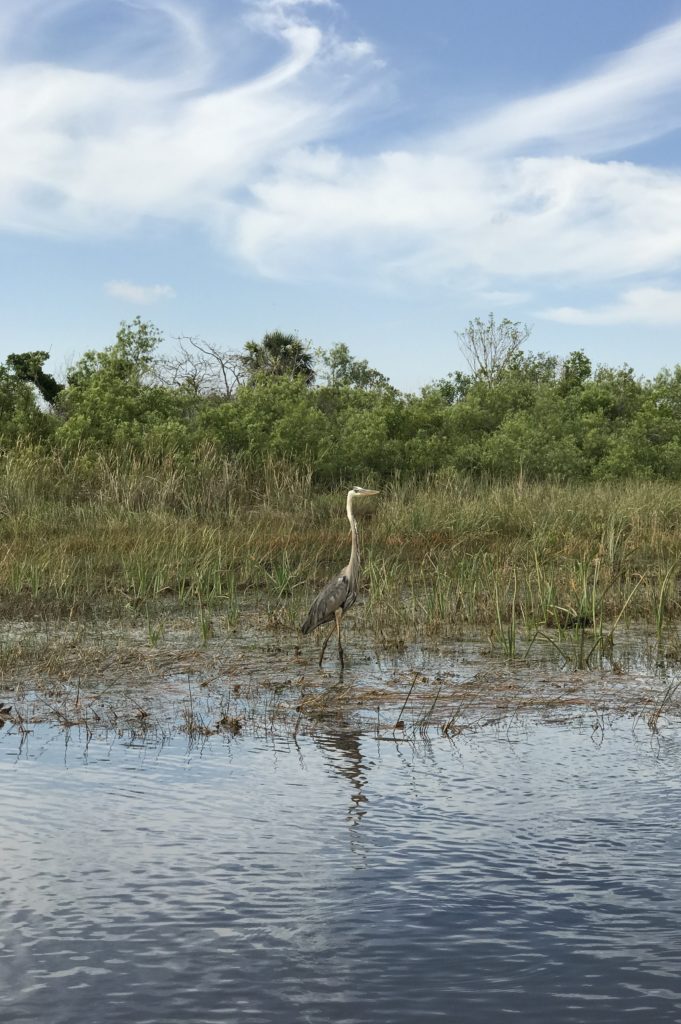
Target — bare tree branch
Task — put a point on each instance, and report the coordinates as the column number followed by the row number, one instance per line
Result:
column 202, row 368
column 490, row 347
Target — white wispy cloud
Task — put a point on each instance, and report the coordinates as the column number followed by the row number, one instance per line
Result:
column 650, row 305
column 511, row 298
column 470, row 199
column 523, row 193
column 429, row 215
column 632, row 97
column 88, row 151
column 142, row 294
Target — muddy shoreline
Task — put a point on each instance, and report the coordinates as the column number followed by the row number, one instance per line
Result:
column 260, row 677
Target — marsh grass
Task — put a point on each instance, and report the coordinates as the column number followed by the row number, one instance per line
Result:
column 128, row 538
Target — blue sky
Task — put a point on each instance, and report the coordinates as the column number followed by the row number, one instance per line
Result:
column 375, row 172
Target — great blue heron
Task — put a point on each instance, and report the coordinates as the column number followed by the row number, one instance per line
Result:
column 340, row 593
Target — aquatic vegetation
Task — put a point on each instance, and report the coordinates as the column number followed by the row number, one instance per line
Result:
column 129, row 539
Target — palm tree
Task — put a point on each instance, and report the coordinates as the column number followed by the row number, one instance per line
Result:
column 278, row 354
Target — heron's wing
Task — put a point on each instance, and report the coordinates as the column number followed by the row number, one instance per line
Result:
column 336, row 594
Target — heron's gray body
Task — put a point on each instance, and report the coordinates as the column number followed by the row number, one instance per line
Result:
column 340, row 593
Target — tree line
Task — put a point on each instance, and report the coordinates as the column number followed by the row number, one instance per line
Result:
column 512, row 413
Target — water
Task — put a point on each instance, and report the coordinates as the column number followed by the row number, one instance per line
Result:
column 341, row 879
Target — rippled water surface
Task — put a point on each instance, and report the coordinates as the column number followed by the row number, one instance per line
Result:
column 342, row 879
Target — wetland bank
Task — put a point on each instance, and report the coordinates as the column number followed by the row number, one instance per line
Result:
column 132, row 570
column 200, row 824
column 189, row 502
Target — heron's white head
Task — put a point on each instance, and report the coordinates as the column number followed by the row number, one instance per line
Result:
column 356, row 492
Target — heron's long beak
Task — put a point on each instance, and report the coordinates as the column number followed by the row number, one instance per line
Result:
column 364, row 491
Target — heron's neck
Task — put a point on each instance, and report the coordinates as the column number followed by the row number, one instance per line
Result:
column 354, row 554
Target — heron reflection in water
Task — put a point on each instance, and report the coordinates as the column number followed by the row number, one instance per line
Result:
column 340, row 593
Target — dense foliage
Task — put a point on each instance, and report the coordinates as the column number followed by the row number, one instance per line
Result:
column 514, row 413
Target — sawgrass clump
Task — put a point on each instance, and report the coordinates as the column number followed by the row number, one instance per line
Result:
column 124, row 535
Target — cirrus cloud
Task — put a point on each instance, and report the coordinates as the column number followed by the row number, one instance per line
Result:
column 656, row 306
column 142, row 294
column 523, row 194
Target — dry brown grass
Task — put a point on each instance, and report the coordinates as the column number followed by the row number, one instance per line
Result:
column 132, row 540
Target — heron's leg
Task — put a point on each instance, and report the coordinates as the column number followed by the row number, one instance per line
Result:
column 321, row 656
column 339, row 616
